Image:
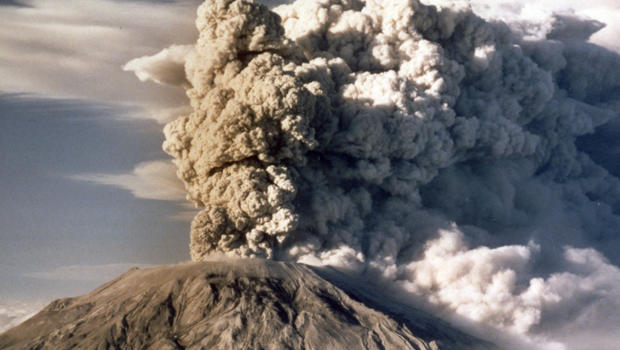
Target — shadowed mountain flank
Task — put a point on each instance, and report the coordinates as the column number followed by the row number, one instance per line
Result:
column 240, row 304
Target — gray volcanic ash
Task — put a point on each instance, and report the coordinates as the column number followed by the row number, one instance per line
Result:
column 452, row 156
column 309, row 134
column 424, row 144
column 234, row 304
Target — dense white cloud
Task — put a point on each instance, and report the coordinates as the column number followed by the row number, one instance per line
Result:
column 149, row 180
column 483, row 284
column 14, row 312
column 541, row 13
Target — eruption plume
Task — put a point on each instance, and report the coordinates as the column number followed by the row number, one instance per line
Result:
column 393, row 136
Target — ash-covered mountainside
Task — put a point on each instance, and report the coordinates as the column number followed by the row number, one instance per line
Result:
column 240, row 304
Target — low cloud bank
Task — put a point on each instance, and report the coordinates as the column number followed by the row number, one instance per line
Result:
column 12, row 313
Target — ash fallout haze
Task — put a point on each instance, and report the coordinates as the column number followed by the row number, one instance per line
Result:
column 465, row 154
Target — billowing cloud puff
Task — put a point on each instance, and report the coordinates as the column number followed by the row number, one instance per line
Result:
column 424, row 143
column 483, row 284
column 167, row 67
column 150, row 180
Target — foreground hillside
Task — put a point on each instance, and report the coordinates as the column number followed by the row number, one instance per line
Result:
column 239, row 304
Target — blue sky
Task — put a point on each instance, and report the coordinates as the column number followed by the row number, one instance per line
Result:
column 71, row 120
column 86, row 190
column 51, row 219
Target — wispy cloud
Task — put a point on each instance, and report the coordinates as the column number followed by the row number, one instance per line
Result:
column 77, row 50
column 85, row 273
column 148, row 180
column 184, row 216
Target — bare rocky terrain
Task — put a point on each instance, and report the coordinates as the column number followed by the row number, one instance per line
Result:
column 237, row 304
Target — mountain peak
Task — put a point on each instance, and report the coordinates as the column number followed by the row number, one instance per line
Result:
column 232, row 304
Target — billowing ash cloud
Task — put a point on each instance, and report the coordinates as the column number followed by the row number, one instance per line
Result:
column 423, row 142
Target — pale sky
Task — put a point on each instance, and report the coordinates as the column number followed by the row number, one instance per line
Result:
column 70, row 120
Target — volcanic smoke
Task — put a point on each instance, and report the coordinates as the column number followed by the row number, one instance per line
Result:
column 440, row 150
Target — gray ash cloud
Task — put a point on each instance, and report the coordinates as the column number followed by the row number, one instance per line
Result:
column 447, row 152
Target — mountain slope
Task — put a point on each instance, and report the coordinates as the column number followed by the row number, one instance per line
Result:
column 236, row 304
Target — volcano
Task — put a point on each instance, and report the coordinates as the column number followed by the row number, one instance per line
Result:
column 235, row 304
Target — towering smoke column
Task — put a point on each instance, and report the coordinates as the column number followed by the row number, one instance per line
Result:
column 319, row 137
column 353, row 132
